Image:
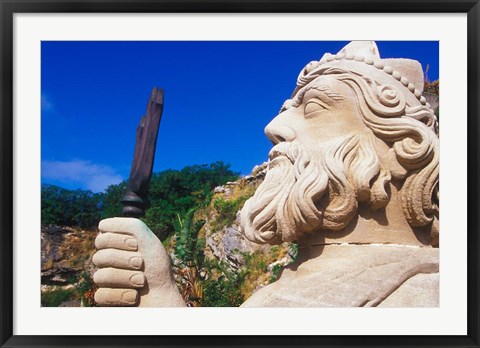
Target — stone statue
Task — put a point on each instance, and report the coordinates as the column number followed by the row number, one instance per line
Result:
column 352, row 178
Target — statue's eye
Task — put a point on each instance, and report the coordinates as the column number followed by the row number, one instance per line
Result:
column 313, row 107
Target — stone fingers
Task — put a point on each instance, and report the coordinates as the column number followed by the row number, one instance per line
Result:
column 118, row 259
column 118, row 278
column 125, row 234
column 129, row 226
column 116, row 241
column 116, row 297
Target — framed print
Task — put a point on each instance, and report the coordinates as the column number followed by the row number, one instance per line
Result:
column 355, row 152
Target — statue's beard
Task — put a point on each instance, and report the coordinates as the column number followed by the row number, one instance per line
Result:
column 307, row 188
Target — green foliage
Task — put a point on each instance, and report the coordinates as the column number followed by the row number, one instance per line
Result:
column 188, row 249
column 293, row 251
column 256, row 260
column 56, row 297
column 277, row 269
column 160, row 219
column 171, row 192
column 175, row 192
column 86, row 290
column 190, row 252
column 70, row 207
column 227, row 210
column 255, row 272
column 227, row 288
column 83, row 291
column 111, row 206
column 222, row 290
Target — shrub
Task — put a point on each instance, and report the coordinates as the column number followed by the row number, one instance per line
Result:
column 222, row 292
column 276, row 272
column 189, row 250
column 256, row 274
column 55, row 298
column 86, row 290
column 222, row 287
column 227, row 210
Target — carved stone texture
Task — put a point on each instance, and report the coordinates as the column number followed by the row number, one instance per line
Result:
column 135, row 269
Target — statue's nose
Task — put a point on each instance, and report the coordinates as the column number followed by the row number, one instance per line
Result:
column 277, row 131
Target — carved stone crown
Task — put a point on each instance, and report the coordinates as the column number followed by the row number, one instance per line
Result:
column 362, row 57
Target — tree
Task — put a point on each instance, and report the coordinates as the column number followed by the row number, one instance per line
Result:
column 70, row 207
column 175, row 192
column 111, row 201
column 171, row 192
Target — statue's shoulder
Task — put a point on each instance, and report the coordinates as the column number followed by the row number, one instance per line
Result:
column 357, row 276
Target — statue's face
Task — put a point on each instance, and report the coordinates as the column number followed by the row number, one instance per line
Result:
column 306, row 186
column 324, row 110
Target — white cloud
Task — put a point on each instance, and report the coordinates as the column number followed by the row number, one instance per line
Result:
column 85, row 174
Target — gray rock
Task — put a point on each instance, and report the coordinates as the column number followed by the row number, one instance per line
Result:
column 219, row 189
column 229, row 245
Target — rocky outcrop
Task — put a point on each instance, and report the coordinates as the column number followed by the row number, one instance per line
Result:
column 227, row 243
column 66, row 252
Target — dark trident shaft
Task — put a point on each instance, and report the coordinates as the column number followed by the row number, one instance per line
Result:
column 135, row 198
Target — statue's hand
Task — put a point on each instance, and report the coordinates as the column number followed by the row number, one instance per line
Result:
column 134, row 267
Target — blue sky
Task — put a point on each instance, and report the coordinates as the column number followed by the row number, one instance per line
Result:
column 219, row 96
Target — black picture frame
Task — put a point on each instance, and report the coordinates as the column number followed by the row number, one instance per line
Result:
column 10, row 7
